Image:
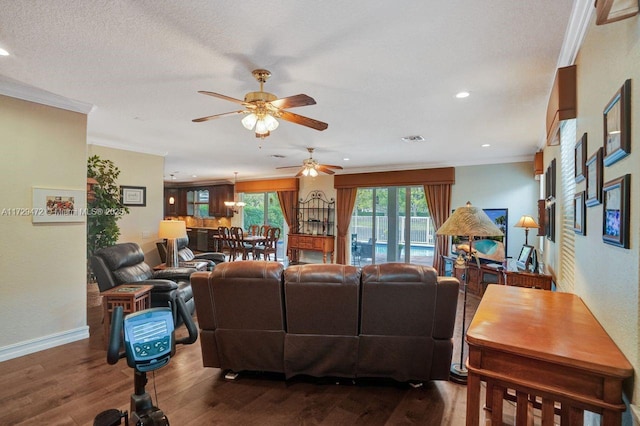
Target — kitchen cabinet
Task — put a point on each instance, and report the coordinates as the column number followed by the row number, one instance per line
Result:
column 218, row 194
column 206, row 200
column 174, row 202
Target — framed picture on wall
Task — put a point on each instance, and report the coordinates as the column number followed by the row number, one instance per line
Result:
column 489, row 248
column 594, row 179
column 617, row 125
column 134, row 196
column 615, row 216
column 579, row 214
column 580, row 158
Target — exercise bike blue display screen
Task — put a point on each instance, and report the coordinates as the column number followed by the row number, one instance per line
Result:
column 148, row 338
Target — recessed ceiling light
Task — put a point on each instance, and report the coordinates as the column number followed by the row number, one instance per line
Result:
column 414, row 138
column 3, row 52
column 346, row 159
column 486, row 145
column 194, row 175
column 462, row 95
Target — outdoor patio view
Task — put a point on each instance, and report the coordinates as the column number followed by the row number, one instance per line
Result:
column 391, row 225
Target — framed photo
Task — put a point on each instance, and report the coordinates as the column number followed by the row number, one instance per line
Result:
column 580, row 157
column 615, row 217
column 579, row 214
column 617, row 125
column 594, row 179
column 58, row 205
column 551, row 223
column 550, row 181
column 135, row 196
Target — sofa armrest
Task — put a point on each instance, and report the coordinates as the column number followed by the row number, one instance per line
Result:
column 215, row 257
column 174, row 273
column 446, row 307
column 159, row 284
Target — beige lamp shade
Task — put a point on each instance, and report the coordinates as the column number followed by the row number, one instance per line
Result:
column 526, row 222
column 172, row 229
column 469, row 221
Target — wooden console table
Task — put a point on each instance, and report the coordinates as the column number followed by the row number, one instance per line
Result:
column 321, row 243
column 544, row 345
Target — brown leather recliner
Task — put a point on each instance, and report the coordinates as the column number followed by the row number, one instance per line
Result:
column 322, row 303
column 241, row 315
column 407, row 322
column 185, row 254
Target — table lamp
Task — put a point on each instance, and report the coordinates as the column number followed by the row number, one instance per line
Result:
column 172, row 230
column 470, row 222
column 526, row 222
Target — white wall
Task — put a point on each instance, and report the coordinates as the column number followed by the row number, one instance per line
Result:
column 497, row 186
column 43, row 288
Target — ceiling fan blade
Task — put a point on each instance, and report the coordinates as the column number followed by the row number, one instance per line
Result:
column 211, row 117
column 305, row 121
column 293, row 101
column 286, row 167
column 330, row 166
column 323, row 169
column 225, row 97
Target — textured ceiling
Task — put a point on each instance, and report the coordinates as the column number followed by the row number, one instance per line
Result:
column 378, row 70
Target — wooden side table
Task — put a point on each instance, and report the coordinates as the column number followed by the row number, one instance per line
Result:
column 132, row 298
column 545, row 345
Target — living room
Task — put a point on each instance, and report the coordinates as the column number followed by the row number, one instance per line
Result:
column 47, row 146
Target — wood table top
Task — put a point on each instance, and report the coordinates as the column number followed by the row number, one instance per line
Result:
column 550, row 326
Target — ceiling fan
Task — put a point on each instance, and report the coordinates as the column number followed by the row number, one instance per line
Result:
column 263, row 108
column 310, row 167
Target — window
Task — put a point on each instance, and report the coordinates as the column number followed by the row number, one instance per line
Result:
column 391, row 224
column 263, row 208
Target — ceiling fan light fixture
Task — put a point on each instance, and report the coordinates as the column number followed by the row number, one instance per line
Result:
column 249, row 121
column 313, row 172
column 270, row 122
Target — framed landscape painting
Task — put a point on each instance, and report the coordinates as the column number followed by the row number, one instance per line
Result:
column 615, row 217
column 617, row 125
column 489, row 248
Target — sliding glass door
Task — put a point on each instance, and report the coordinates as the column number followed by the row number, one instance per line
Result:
column 391, row 224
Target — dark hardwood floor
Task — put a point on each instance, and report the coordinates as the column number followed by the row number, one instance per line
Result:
column 71, row 384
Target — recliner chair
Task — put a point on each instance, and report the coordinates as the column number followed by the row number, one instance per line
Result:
column 124, row 264
column 186, row 255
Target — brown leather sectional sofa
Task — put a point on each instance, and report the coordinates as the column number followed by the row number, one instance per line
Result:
column 393, row 320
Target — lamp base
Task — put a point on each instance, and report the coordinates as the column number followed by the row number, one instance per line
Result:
column 458, row 374
column 172, row 253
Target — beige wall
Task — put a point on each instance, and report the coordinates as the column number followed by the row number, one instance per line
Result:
column 137, row 169
column 43, row 289
column 607, row 277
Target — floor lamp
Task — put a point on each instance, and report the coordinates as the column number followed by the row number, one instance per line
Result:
column 171, row 230
column 468, row 222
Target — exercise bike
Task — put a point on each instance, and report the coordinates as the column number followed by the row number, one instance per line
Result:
column 149, row 344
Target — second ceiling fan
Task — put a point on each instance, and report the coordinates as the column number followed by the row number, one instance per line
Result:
column 310, row 167
column 263, row 108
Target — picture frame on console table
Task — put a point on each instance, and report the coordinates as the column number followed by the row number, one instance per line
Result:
column 615, row 215
column 617, row 125
column 594, row 179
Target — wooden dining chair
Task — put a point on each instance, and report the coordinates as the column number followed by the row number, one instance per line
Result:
column 242, row 247
column 228, row 246
column 270, row 245
column 254, row 230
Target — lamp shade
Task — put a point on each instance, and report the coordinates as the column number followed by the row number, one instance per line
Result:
column 469, row 221
column 172, row 229
column 526, row 222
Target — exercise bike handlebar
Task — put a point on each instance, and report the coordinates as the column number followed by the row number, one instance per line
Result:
column 183, row 312
column 115, row 334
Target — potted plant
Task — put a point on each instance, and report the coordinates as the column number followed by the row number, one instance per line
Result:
column 104, row 207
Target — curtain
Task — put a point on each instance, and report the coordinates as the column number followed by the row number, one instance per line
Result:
column 345, row 200
column 287, row 204
column 439, row 204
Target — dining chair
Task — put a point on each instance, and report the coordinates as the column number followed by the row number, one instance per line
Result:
column 228, row 245
column 254, row 230
column 270, row 245
column 242, row 247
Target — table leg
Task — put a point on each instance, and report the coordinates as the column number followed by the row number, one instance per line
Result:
column 473, row 399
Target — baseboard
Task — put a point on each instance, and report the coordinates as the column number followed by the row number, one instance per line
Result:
column 41, row 343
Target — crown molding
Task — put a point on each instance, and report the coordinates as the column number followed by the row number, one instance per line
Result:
column 576, row 30
column 18, row 90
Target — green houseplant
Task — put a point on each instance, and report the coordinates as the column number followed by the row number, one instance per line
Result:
column 104, row 207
